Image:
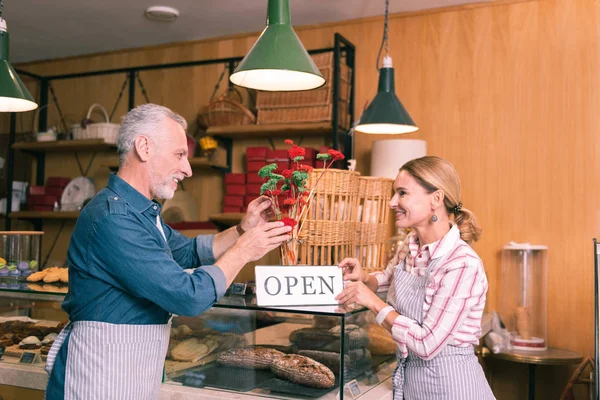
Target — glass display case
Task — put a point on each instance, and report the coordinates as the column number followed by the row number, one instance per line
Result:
column 235, row 349
column 20, row 253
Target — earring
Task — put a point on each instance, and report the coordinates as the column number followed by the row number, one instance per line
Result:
column 434, row 218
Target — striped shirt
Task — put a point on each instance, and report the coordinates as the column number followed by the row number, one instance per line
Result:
column 454, row 298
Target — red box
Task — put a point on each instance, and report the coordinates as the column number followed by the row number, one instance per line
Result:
column 324, row 149
column 54, row 191
column 33, row 190
column 40, row 207
column 253, row 189
column 235, row 179
column 41, row 199
column 254, row 178
column 248, row 200
column 311, row 154
column 236, row 190
column 256, row 153
column 57, row 181
column 233, row 201
column 228, row 209
column 281, row 165
column 254, row 166
column 277, row 155
column 244, row 209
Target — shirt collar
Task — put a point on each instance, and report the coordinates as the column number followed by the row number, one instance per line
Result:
column 130, row 195
column 442, row 246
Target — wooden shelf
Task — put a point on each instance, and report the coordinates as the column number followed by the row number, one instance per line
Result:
column 64, row 146
column 196, row 162
column 226, row 219
column 45, row 214
column 271, row 130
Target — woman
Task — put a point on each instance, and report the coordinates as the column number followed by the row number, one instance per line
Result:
column 436, row 287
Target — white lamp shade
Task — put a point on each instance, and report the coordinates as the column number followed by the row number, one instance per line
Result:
column 387, row 156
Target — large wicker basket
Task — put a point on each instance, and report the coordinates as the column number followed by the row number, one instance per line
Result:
column 326, row 235
column 227, row 110
column 97, row 130
column 371, row 225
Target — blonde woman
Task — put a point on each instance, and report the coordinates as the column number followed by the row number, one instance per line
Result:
column 436, row 287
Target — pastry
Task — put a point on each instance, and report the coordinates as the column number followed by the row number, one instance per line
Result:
column 303, row 370
column 37, row 276
column 380, row 340
column 51, row 277
column 64, row 275
column 49, row 339
column 30, row 342
column 193, row 349
column 249, row 357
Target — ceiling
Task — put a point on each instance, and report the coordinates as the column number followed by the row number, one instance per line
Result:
column 62, row 28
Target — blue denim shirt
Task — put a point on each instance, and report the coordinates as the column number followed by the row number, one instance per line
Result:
column 122, row 271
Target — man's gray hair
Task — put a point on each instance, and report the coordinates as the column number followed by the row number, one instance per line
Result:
column 143, row 120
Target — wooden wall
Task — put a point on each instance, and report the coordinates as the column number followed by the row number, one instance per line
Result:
column 507, row 91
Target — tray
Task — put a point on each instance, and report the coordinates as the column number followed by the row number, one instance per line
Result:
column 283, row 386
column 237, row 379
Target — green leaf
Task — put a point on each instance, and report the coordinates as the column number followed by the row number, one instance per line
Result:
column 286, row 186
column 276, row 177
column 299, row 178
column 323, row 156
column 269, row 185
column 267, row 170
column 299, row 158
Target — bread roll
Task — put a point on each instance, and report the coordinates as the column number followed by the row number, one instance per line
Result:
column 380, row 340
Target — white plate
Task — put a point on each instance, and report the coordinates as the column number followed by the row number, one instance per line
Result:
column 76, row 192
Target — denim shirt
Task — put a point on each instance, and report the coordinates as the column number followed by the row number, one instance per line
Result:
column 123, row 271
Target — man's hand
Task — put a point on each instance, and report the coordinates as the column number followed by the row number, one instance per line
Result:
column 259, row 212
column 260, row 240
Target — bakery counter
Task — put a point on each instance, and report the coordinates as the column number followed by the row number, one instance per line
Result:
column 236, row 349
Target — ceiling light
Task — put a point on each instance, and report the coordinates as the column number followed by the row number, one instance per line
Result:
column 161, row 13
column 278, row 61
column 14, row 96
column 385, row 114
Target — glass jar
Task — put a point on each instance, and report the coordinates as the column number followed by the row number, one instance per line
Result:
column 20, row 253
column 523, row 295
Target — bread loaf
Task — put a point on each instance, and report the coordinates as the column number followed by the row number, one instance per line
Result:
column 303, row 371
column 329, row 359
column 193, row 349
column 249, row 357
column 380, row 340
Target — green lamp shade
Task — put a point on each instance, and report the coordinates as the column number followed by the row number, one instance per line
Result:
column 14, row 96
column 385, row 114
column 278, row 61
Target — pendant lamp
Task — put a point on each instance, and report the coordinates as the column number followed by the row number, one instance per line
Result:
column 278, row 61
column 14, row 96
column 385, row 114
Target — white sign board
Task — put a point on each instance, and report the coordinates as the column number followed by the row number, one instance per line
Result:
column 295, row 286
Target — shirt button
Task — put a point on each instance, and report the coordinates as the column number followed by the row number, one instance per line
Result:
column 115, row 198
column 155, row 207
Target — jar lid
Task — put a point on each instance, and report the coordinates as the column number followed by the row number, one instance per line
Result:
column 524, row 246
column 21, row 233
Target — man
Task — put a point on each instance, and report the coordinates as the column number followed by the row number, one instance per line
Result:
column 126, row 267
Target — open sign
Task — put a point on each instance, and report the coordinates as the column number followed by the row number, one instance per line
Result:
column 297, row 286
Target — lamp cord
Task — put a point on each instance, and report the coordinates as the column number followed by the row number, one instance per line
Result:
column 384, row 41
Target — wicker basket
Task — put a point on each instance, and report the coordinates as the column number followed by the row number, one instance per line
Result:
column 371, row 226
column 98, row 130
column 227, row 110
column 326, row 235
column 308, row 105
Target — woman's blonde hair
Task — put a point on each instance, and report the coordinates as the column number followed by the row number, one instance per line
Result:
column 435, row 173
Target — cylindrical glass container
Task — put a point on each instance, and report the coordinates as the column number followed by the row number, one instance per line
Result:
column 523, row 295
column 20, row 253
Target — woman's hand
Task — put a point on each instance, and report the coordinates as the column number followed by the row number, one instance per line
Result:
column 358, row 293
column 352, row 270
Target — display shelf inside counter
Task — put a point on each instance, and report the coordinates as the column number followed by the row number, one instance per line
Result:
column 280, row 352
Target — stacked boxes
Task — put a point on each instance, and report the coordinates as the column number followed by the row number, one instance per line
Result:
column 235, row 190
column 43, row 198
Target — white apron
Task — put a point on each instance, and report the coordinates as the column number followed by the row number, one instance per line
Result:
column 454, row 373
column 110, row 361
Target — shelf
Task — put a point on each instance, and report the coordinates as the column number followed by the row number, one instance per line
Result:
column 64, row 146
column 45, row 214
column 226, row 219
column 271, row 130
column 196, row 162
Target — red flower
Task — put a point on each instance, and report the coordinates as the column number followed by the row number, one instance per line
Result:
column 335, row 155
column 305, row 168
column 267, row 193
column 296, row 151
column 287, row 221
column 285, row 192
column 287, row 173
column 289, row 202
column 276, row 192
column 305, row 193
column 288, row 141
column 303, row 201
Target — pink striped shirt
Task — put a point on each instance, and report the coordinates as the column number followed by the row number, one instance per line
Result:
column 454, row 296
